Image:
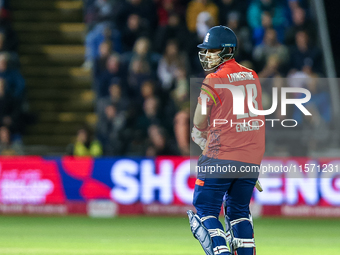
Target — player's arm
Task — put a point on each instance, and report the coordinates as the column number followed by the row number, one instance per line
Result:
column 198, row 133
column 201, row 124
column 201, row 121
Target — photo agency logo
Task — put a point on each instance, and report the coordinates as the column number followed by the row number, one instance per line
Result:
column 249, row 91
column 204, row 106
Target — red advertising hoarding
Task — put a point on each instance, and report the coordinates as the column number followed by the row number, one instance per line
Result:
column 160, row 186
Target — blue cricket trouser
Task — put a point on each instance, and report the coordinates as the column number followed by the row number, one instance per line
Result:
column 235, row 192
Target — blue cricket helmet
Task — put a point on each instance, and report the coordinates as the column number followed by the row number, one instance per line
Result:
column 219, row 37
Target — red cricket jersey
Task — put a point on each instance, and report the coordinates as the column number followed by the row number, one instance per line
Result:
column 229, row 139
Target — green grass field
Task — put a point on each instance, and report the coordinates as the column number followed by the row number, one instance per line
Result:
column 154, row 236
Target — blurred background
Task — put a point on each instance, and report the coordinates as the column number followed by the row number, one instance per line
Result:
column 111, row 77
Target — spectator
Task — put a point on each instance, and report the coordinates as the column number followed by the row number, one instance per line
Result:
column 164, row 9
column 267, row 23
column 100, row 62
column 269, row 47
column 7, row 146
column 104, row 79
column 159, row 143
column 226, row 7
column 151, row 115
column 304, row 56
column 9, row 110
column 180, row 93
column 142, row 50
column 300, row 22
column 139, row 71
column 4, row 9
column 133, row 30
column 85, row 145
column 173, row 30
column 276, row 10
column 145, row 9
column 316, row 127
column 169, row 64
column 14, row 80
column 88, row 9
column 270, row 78
column 95, row 38
column 147, row 90
column 177, row 31
column 99, row 12
column 110, row 129
column 141, row 92
column 245, row 47
column 2, row 42
column 292, row 4
column 115, row 97
column 271, row 69
column 182, row 131
column 319, row 103
column 168, row 108
column 13, row 58
column 195, row 7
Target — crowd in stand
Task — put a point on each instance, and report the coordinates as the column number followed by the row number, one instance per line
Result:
column 143, row 52
column 12, row 88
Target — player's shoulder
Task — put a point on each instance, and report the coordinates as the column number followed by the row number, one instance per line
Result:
column 212, row 75
column 210, row 80
column 230, row 66
column 246, row 69
column 213, row 78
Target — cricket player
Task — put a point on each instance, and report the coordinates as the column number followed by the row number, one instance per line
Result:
column 235, row 141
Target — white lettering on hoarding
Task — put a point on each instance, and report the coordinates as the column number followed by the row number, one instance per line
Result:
column 24, row 187
column 329, row 192
column 312, row 186
column 183, row 191
column 151, row 181
column 126, row 186
column 306, row 185
column 135, row 182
